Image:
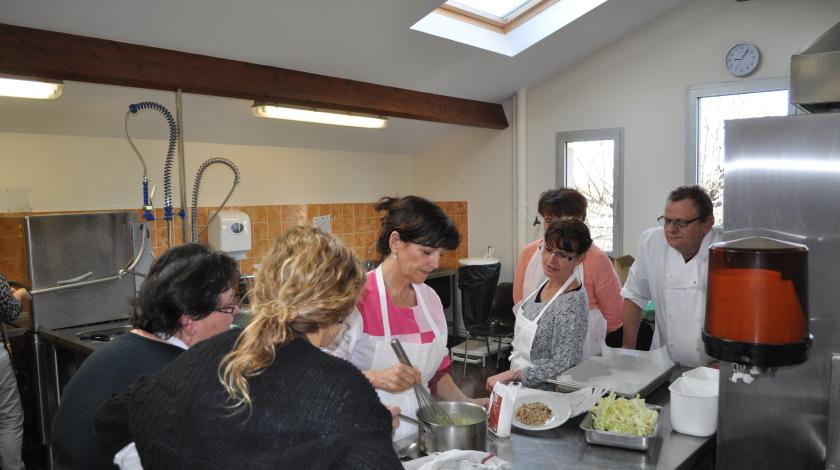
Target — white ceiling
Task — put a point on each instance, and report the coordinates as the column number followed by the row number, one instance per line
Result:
column 367, row 40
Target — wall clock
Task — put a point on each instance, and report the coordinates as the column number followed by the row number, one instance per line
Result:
column 742, row 59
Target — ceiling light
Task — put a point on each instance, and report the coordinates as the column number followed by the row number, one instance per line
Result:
column 30, row 89
column 320, row 116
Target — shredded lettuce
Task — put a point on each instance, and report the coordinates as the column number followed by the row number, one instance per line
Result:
column 624, row 416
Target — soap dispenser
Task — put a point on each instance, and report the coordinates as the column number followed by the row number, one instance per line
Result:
column 230, row 232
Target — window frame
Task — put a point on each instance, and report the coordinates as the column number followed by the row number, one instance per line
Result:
column 501, row 25
column 615, row 134
column 693, row 95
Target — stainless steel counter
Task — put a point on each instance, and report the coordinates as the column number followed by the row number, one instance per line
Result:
column 566, row 447
column 68, row 338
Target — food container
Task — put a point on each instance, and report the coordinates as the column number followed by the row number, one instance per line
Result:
column 617, row 439
column 439, row 438
column 703, row 373
column 694, row 406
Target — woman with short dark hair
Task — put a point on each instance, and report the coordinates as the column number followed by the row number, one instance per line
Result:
column 265, row 397
column 396, row 304
column 188, row 296
column 552, row 321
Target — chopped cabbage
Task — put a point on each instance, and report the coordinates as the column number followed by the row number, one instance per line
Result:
column 624, row 416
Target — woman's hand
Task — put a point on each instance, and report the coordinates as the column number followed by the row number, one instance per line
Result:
column 395, row 420
column 504, row 378
column 483, row 402
column 394, row 379
column 21, row 294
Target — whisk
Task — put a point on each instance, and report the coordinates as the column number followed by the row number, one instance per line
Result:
column 437, row 414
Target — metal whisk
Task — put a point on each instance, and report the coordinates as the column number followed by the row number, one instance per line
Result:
column 436, row 412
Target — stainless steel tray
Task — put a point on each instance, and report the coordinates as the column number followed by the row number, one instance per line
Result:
column 615, row 439
column 643, row 392
column 584, row 370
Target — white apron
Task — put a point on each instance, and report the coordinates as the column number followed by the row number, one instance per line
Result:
column 596, row 332
column 525, row 330
column 425, row 357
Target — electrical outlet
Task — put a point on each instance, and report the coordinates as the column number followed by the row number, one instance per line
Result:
column 322, row 222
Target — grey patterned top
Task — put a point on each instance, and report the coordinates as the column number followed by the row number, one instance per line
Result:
column 10, row 307
column 558, row 343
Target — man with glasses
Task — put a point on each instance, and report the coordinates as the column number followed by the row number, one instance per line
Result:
column 671, row 269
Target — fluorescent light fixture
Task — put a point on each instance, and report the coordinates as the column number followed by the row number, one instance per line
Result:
column 30, row 89
column 319, row 116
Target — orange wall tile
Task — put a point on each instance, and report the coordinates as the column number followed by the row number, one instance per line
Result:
column 357, row 224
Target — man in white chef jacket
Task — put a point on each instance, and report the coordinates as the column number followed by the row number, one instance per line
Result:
column 671, row 268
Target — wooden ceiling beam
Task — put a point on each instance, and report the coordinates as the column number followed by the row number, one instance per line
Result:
column 60, row 56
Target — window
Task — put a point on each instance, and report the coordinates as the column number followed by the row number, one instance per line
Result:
column 494, row 12
column 506, row 27
column 708, row 108
column 590, row 161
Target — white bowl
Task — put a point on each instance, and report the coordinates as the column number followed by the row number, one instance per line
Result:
column 694, row 406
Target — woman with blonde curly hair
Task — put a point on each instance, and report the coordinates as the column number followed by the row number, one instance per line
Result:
column 265, row 397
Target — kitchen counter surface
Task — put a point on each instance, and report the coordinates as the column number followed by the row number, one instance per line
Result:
column 68, row 338
column 566, row 447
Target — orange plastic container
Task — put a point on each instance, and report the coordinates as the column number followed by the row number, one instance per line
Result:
column 754, row 306
column 757, row 295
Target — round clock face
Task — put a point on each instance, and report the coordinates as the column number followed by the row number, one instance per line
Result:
column 742, row 59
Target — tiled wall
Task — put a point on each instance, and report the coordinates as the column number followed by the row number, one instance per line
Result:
column 357, row 224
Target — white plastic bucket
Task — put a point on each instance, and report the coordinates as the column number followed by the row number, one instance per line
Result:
column 703, row 373
column 694, row 406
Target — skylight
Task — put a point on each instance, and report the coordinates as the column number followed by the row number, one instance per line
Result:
column 506, row 27
column 499, row 10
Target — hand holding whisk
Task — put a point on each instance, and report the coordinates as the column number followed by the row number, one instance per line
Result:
column 424, row 400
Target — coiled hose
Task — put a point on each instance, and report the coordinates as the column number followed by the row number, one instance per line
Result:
column 198, row 175
column 167, row 167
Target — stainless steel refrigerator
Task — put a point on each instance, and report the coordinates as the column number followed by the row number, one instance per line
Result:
column 782, row 180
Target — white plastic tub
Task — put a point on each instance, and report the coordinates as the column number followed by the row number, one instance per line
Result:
column 694, row 406
column 703, row 373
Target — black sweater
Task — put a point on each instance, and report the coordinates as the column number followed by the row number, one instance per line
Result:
column 309, row 410
column 107, row 372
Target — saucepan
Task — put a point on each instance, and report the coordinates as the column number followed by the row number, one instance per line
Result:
column 468, row 433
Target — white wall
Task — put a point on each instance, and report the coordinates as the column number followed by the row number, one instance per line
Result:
column 639, row 83
column 475, row 165
column 82, row 173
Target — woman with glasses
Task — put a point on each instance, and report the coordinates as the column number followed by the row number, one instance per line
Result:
column 551, row 324
column 187, row 297
column 264, row 397
column 599, row 278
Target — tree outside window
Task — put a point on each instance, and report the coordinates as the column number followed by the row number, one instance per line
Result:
column 713, row 111
column 590, row 171
column 590, row 161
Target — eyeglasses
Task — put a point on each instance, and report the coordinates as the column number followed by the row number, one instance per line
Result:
column 678, row 223
column 230, row 309
column 559, row 254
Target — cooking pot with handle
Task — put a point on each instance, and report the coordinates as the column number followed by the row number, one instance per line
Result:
column 469, row 431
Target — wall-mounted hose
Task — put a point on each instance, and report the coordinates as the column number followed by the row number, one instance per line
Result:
column 198, row 175
column 167, row 167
